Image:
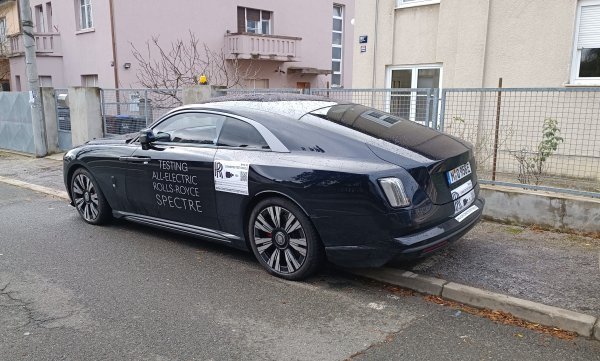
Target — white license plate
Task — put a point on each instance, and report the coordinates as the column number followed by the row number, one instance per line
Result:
column 458, row 173
column 463, row 196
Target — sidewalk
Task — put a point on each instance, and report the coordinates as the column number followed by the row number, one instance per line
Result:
column 556, row 269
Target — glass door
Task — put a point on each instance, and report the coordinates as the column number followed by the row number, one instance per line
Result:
column 410, row 104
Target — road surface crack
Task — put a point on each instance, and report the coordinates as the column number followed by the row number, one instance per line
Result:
column 27, row 306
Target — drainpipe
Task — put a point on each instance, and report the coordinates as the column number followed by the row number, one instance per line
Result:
column 114, row 43
column 375, row 44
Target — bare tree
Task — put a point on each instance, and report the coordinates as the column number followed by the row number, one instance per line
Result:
column 181, row 62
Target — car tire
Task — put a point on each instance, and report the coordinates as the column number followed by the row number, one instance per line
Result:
column 88, row 198
column 284, row 240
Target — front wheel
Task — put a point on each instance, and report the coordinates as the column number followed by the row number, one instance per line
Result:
column 88, row 198
column 284, row 240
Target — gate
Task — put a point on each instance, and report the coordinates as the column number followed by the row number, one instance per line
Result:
column 63, row 117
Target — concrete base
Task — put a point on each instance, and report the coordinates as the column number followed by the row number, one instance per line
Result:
column 550, row 210
column 200, row 93
column 49, row 110
column 86, row 115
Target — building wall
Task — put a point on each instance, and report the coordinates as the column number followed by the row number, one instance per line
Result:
column 527, row 43
column 10, row 11
column 137, row 21
column 210, row 20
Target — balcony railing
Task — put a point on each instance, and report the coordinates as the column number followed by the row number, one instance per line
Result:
column 262, row 47
column 45, row 43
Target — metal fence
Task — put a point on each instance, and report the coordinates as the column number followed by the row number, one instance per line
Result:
column 16, row 131
column 535, row 138
column 529, row 138
column 130, row 110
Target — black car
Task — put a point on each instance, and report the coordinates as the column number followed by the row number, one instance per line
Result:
column 296, row 179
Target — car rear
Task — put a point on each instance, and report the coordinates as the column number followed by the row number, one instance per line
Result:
column 431, row 200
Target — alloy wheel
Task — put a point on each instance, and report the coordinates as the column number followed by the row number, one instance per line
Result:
column 280, row 239
column 85, row 197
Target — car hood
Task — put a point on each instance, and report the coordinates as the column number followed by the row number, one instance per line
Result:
column 119, row 139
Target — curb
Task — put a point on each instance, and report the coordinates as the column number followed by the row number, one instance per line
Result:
column 35, row 187
column 584, row 325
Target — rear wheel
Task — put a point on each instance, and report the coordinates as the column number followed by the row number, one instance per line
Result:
column 88, row 198
column 284, row 240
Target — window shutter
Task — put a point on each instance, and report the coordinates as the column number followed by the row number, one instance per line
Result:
column 266, row 15
column 241, row 13
column 589, row 27
column 253, row 14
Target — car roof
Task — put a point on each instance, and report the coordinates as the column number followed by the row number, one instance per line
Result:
column 289, row 105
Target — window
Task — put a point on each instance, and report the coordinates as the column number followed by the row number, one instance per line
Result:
column 18, row 83
column 40, row 19
column 411, row 3
column 2, row 30
column 585, row 69
column 254, row 21
column 257, row 83
column 49, row 25
column 239, row 134
column 192, row 128
column 409, row 104
column 336, row 45
column 85, row 14
column 90, row 80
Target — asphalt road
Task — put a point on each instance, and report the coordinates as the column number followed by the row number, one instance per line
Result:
column 72, row 291
column 556, row 269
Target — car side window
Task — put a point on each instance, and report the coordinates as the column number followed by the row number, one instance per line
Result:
column 195, row 128
column 239, row 134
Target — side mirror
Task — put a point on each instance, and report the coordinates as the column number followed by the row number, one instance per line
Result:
column 147, row 137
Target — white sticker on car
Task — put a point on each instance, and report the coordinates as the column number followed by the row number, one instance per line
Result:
column 231, row 176
column 463, row 196
column 461, row 217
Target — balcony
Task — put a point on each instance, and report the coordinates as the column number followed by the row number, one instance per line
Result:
column 262, row 47
column 46, row 44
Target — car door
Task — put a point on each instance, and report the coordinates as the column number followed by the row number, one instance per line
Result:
column 173, row 180
column 240, row 146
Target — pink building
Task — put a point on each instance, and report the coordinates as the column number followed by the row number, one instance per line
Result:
column 292, row 43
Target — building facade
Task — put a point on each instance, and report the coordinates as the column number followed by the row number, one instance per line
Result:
column 459, row 43
column 9, row 24
column 284, row 44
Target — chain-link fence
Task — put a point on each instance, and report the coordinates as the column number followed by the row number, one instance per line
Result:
column 130, row 110
column 531, row 138
column 419, row 105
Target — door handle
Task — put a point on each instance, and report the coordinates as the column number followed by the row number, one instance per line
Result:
column 135, row 159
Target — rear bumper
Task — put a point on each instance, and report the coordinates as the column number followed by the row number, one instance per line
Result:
column 415, row 245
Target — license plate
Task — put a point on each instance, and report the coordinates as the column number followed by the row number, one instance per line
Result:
column 458, row 173
column 463, row 196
